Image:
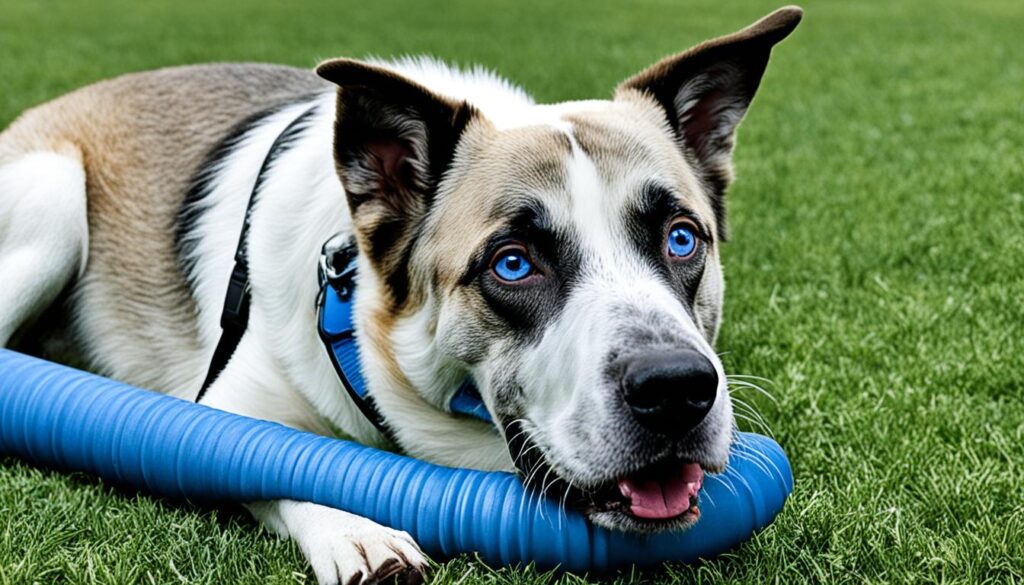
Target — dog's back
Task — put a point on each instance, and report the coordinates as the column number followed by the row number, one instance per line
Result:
column 106, row 168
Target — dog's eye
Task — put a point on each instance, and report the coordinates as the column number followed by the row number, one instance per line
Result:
column 682, row 240
column 511, row 264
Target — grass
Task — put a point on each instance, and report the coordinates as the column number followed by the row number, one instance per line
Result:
column 874, row 275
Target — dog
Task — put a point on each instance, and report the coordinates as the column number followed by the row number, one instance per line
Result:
column 563, row 257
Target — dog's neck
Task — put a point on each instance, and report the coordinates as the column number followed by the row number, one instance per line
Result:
column 337, row 271
column 412, row 384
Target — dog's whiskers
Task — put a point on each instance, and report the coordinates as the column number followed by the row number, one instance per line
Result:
column 722, row 479
column 523, row 453
column 564, row 502
column 745, row 384
column 752, row 377
column 759, row 463
column 745, row 411
column 755, row 424
column 525, row 447
column 522, row 428
column 525, row 500
column 528, row 482
column 541, row 491
column 704, row 494
column 762, row 460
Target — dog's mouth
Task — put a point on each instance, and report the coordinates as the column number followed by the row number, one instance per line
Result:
column 664, row 496
column 661, row 496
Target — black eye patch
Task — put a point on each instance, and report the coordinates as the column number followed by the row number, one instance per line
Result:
column 529, row 224
column 526, row 308
column 647, row 222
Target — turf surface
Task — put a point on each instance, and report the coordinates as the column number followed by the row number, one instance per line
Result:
column 874, row 275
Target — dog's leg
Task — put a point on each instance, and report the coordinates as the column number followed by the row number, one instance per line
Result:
column 342, row 548
column 44, row 234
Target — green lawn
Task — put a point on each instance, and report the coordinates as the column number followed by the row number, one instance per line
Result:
column 875, row 273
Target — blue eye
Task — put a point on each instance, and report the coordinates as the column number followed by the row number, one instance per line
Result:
column 512, row 265
column 681, row 241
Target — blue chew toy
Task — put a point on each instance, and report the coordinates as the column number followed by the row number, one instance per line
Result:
column 61, row 417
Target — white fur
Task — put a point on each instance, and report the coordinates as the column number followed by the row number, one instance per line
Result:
column 217, row 228
column 569, row 393
column 301, row 204
column 468, row 443
column 37, row 259
column 594, row 207
column 504, row 103
column 338, row 545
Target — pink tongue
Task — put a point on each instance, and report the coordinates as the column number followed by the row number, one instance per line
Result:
column 663, row 498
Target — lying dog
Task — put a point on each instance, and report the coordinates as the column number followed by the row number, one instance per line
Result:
column 564, row 258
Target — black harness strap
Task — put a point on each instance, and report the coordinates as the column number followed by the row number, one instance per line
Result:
column 234, row 318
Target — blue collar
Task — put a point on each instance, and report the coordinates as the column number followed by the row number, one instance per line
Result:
column 337, row 273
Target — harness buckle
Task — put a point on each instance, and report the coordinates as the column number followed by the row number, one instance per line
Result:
column 337, row 266
column 336, row 271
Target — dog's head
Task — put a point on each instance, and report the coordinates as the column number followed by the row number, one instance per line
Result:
column 567, row 258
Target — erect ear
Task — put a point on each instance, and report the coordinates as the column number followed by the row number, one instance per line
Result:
column 706, row 90
column 393, row 140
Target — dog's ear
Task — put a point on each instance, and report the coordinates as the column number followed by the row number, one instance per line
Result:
column 393, row 140
column 706, row 90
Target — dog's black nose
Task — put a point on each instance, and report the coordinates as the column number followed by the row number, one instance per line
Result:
column 670, row 392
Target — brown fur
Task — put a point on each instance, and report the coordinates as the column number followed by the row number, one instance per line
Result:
column 135, row 135
column 616, row 141
column 491, row 170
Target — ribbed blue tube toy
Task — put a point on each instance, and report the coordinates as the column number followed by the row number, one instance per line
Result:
column 61, row 417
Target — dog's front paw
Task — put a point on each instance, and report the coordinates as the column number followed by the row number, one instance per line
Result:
column 348, row 550
column 343, row 548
